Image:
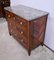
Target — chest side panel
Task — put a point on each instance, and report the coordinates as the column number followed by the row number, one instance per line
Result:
column 39, row 26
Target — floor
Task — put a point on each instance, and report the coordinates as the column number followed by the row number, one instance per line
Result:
column 10, row 49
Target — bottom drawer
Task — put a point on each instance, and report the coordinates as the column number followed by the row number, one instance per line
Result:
column 23, row 41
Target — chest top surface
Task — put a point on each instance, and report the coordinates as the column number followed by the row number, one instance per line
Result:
column 26, row 12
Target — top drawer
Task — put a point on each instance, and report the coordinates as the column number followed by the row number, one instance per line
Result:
column 20, row 22
column 19, row 19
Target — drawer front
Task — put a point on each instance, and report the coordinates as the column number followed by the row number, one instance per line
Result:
column 23, row 26
column 21, row 39
column 22, row 32
column 21, row 22
column 25, row 42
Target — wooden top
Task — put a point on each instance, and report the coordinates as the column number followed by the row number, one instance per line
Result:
column 26, row 12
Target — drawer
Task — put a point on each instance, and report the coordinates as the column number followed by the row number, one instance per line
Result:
column 23, row 40
column 23, row 26
column 20, row 22
column 22, row 32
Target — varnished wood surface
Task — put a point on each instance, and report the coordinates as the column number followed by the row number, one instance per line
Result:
column 29, row 33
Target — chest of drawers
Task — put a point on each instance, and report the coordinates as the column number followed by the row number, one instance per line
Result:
column 27, row 26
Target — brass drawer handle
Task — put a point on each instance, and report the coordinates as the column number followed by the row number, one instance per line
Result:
column 21, row 32
column 21, row 23
column 9, row 16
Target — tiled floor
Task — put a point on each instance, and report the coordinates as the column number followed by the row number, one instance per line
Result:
column 10, row 49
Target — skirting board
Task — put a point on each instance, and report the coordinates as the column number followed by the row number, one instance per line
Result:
column 49, row 48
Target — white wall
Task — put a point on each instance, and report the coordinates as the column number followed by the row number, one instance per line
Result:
column 45, row 5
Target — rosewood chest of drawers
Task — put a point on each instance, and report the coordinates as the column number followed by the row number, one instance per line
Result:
column 27, row 25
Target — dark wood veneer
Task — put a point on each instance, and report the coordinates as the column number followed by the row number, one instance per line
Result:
column 29, row 33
